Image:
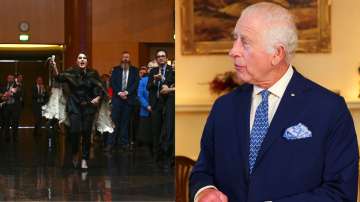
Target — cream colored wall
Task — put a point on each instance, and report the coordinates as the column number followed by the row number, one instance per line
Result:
column 336, row 70
column 188, row 129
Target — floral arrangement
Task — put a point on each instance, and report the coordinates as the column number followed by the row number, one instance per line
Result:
column 224, row 82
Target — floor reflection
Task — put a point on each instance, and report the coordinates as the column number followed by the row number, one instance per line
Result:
column 33, row 171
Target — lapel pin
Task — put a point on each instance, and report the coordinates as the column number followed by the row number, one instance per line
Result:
column 292, row 94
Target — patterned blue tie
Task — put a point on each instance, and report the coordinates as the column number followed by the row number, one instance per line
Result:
column 259, row 129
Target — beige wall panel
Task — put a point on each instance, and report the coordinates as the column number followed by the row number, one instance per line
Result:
column 46, row 18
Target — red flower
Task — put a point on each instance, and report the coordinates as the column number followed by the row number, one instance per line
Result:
column 224, row 82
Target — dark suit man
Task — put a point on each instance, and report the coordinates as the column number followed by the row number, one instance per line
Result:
column 160, row 77
column 167, row 137
column 124, row 82
column 280, row 137
column 11, row 98
column 39, row 98
column 20, row 90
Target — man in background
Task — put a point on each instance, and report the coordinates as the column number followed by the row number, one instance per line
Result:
column 39, row 98
column 11, row 98
column 124, row 82
column 20, row 90
column 160, row 79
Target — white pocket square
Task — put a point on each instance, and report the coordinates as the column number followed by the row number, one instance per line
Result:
column 299, row 131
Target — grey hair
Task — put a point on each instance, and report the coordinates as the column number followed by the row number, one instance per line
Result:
column 281, row 28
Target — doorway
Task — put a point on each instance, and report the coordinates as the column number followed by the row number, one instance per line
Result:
column 147, row 51
column 30, row 65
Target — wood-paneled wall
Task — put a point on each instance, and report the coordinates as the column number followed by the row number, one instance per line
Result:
column 46, row 18
column 116, row 26
column 121, row 25
column 78, row 30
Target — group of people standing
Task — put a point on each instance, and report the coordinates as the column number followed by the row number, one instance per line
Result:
column 137, row 107
column 147, row 93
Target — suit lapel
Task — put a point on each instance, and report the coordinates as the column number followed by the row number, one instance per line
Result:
column 121, row 77
column 129, row 77
column 167, row 72
column 242, row 117
column 288, row 110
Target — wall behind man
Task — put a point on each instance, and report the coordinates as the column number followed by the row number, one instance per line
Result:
column 116, row 25
column 335, row 70
column 46, row 20
column 121, row 25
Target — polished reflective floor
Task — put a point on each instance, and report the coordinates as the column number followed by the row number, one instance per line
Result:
column 32, row 168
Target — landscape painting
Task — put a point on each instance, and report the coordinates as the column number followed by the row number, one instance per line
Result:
column 207, row 25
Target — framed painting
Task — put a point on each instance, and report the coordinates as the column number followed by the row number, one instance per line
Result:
column 207, row 25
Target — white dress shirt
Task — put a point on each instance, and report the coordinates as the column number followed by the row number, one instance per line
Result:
column 39, row 89
column 126, row 71
column 123, row 88
column 276, row 93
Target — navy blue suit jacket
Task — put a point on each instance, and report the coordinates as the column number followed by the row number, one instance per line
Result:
column 155, row 101
column 132, row 85
column 321, row 168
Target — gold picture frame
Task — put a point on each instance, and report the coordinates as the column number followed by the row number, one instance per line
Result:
column 316, row 39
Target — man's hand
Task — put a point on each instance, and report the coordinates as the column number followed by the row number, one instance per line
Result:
column 211, row 195
column 157, row 77
column 165, row 89
column 123, row 95
column 149, row 108
column 13, row 90
column 95, row 101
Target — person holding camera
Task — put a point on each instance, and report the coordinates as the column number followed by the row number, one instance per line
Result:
column 161, row 79
column 11, row 102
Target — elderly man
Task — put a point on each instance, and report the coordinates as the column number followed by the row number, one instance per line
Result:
column 280, row 137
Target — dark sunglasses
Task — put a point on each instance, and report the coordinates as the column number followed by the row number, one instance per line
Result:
column 158, row 56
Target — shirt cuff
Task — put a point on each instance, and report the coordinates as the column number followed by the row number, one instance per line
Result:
column 202, row 189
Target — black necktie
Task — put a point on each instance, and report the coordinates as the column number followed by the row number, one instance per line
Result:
column 83, row 73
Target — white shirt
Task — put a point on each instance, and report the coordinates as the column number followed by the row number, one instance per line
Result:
column 276, row 93
column 39, row 89
column 126, row 74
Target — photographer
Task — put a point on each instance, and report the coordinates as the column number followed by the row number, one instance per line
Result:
column 161, row 79
column 10, row 99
